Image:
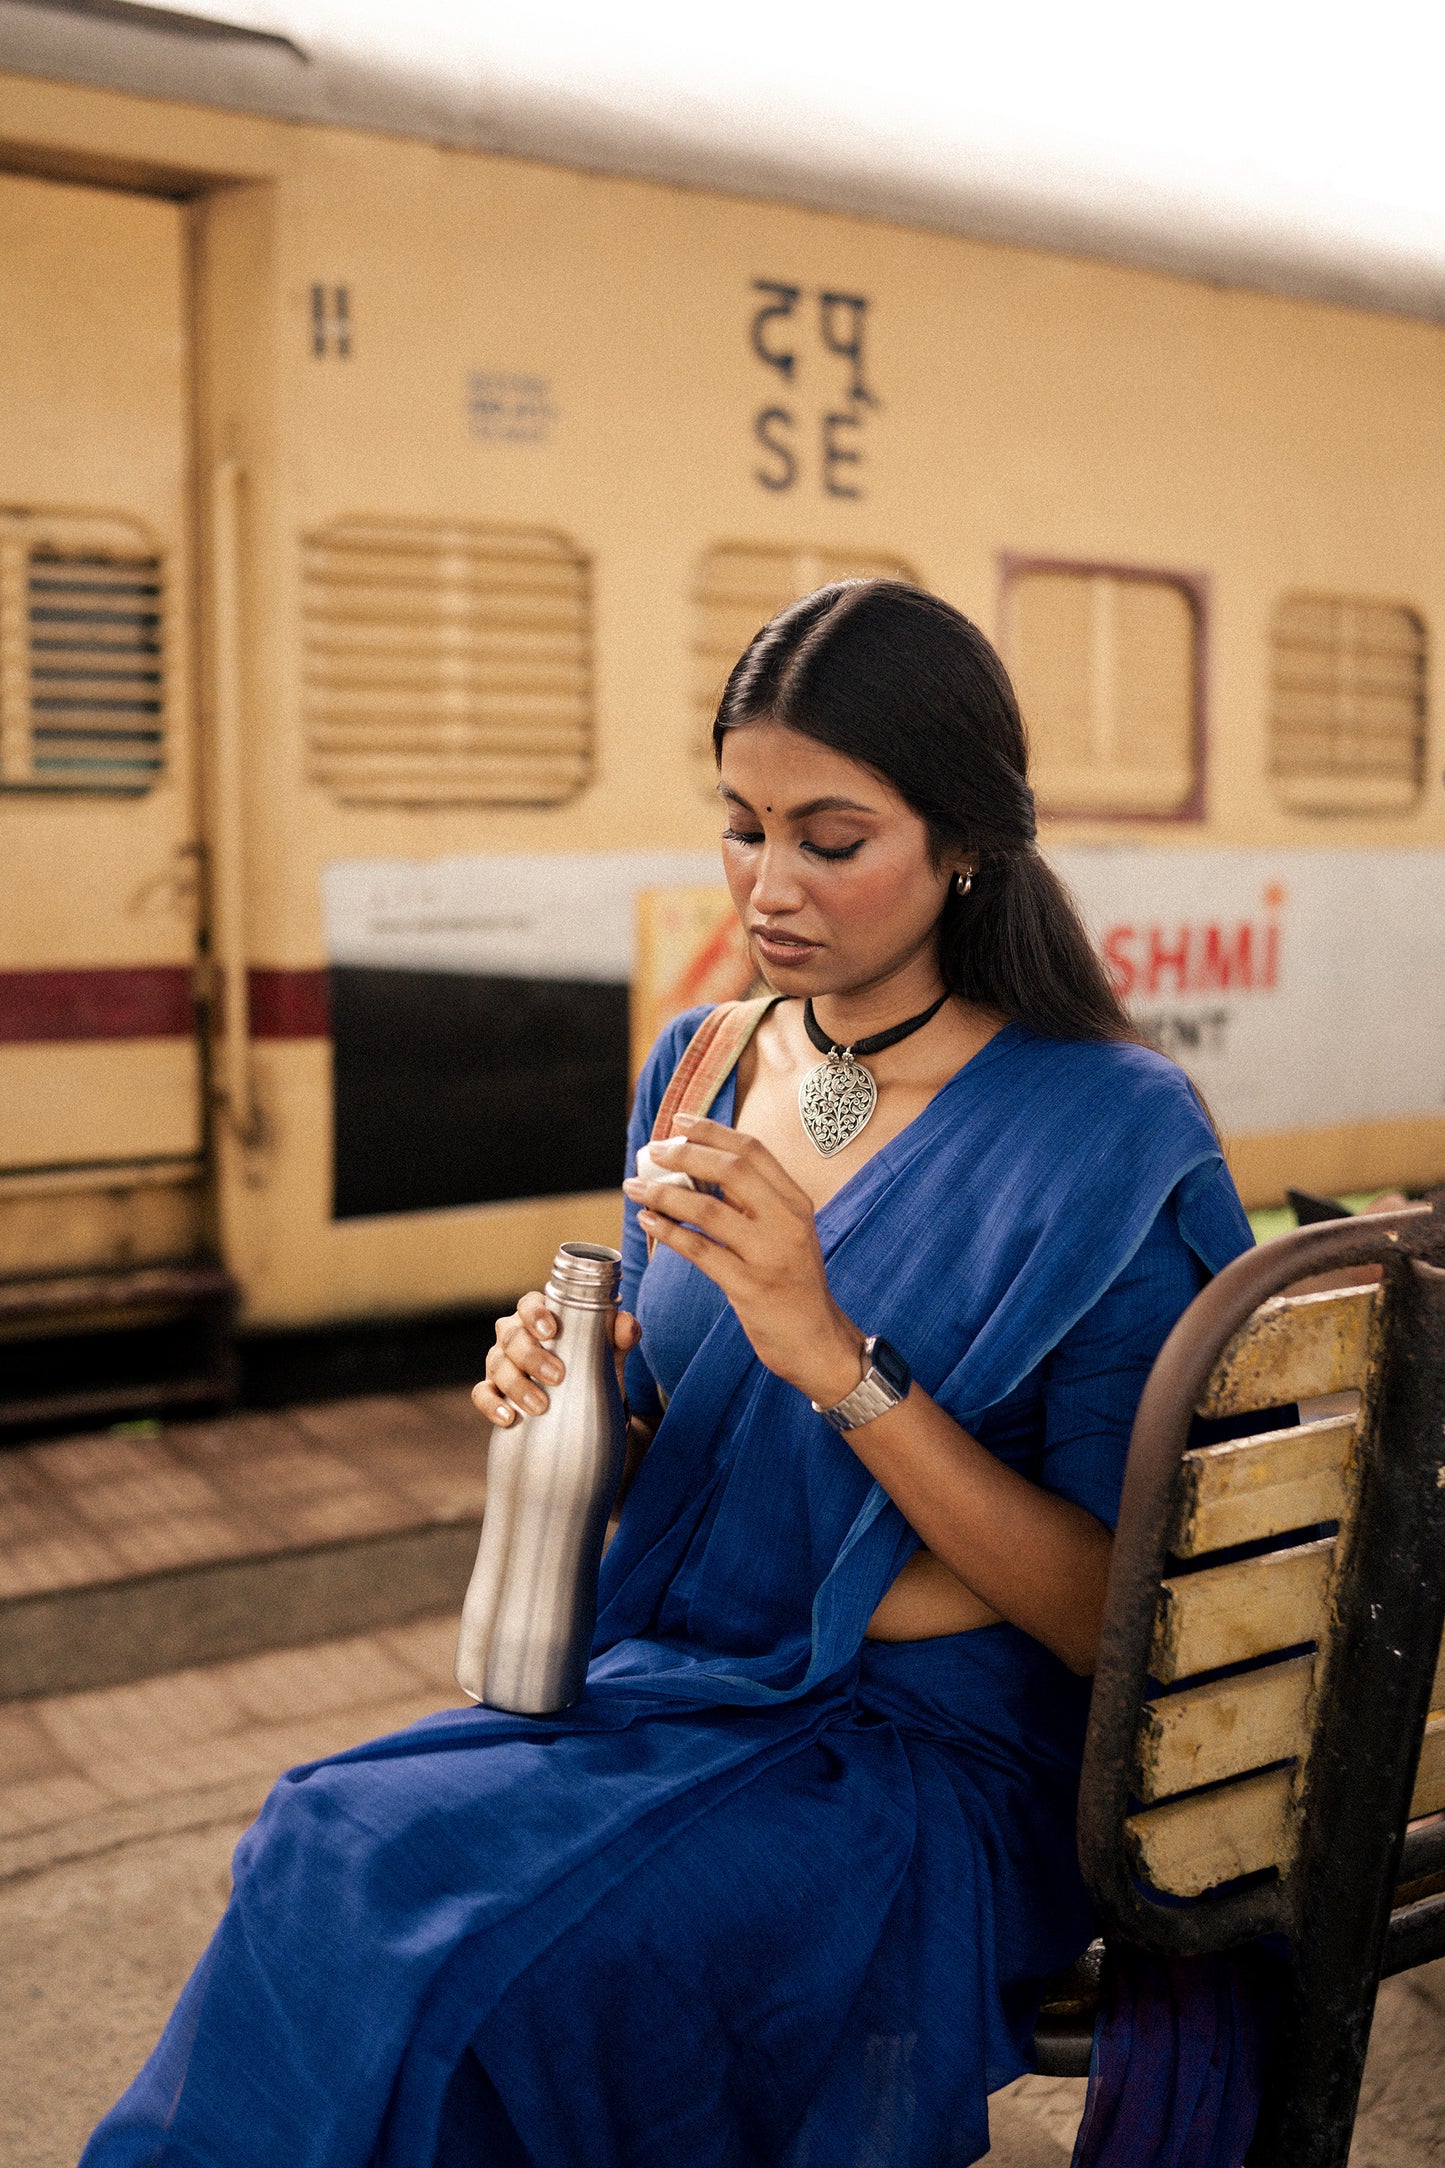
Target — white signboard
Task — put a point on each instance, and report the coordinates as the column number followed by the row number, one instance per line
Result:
column 1297, row 987
column 562, row 917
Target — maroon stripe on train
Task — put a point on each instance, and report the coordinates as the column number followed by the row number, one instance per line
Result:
column 289, row 1004
column 128, row 1001
column 151, row 1001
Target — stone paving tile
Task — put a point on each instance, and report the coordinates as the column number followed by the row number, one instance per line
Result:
column 1035, row 2120
column 1402, row 2101
column 402, row 1453
column 296, row 1471
column 40, row 1802
column 185, row 1539
column 160, row 1489
column 70, row 1759
column 288, row 1744
column 459, row 1497
column 62, row 1560
column 192, row 1766
column 443, row 1474
column 340, row 1516
column 290, row 1683
column 454, row 1403
column 376, row 1418
column 429, row 1646
column 397, row 1463
column 262, row 1751
column 19, row 1476
column 77, row 1512
column 35, row 1512
column 179, row 1707
column 230, row 1438
column 26, row 1747
column 81, row 1463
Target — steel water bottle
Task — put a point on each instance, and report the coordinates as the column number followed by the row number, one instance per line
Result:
column 531, row 1605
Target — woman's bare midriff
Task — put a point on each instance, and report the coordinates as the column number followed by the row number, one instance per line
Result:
column 926, row 1601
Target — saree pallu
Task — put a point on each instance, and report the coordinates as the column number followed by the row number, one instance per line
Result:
column 768, row 1894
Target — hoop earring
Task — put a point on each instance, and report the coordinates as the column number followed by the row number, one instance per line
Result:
column 962, row 883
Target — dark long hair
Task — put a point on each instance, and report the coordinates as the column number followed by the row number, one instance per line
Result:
column 898, row 680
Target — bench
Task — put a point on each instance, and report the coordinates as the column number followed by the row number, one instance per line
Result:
column 1266, row 1747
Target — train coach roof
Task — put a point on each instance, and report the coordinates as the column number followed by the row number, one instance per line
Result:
column 751, row 109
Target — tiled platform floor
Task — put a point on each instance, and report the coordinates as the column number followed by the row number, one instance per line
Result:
column 149, row 1548
column 118, row 1813
column 75, row 1512
column 82, row 1773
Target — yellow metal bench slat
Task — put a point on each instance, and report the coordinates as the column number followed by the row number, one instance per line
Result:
column 1191, row 1845
column 1296, row 1347
column 1222, row 1730
column 1428, row 1796
column 1228, row 1614
column 1249, row 1488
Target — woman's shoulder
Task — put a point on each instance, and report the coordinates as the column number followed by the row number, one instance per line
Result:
column 1104, row 1085
column 1126, row 1066
column 1146, row 1130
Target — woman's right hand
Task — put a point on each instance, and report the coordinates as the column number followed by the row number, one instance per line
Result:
column 521, row 1365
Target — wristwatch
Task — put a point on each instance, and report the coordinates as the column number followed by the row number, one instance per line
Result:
column 886, row 1380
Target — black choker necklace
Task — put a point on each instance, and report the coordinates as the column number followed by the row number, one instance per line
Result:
column 836, row 1100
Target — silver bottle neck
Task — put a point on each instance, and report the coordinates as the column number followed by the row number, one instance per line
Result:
column 585, row 1276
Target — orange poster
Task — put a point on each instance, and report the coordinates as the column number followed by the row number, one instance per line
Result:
column 690, row 949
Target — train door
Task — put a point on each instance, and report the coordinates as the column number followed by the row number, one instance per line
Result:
column 100, row 1069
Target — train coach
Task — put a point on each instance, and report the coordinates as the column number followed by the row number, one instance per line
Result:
column 379, row 516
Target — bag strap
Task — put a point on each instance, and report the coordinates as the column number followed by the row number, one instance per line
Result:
column 708, row 1059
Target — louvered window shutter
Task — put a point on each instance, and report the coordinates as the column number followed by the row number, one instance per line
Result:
column 740, row 586
column 1106, row 667
column 82, row 655
column 1347, row 705
column 447, row 665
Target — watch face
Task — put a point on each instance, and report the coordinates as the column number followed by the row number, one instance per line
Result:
column 890, row 1365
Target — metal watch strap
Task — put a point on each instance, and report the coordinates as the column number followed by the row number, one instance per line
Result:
column 872, row 1396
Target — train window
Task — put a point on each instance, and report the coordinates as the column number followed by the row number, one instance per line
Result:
column 740, row 585
column 1347, row 705
column 1107, row 667
column 447, row 665
column 82, row 691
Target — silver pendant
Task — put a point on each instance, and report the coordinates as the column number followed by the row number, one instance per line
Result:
column 835, row 1101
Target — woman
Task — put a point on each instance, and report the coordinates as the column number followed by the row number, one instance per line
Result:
column 781, row 1886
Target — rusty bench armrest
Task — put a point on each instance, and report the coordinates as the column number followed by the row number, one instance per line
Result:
column 1416, row 1936
column 1336, row 1803
column 1424, row 1850
column 1175, row 1388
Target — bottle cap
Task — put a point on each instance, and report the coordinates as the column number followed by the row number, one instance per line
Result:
column 586, row 1275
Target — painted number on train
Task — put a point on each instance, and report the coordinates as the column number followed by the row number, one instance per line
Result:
column 815, row 341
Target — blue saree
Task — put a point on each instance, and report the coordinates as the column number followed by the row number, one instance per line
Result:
column 769, row 1893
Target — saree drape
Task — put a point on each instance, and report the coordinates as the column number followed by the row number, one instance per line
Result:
column 768, row 1894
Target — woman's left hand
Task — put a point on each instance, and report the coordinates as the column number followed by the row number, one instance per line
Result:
column 757, row 1242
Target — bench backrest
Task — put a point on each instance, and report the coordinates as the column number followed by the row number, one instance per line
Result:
column 1269, row 1710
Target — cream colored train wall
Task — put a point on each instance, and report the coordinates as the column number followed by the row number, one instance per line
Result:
column 1020, row 405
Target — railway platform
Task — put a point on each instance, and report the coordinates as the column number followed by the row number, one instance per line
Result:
column 153, row 1546
column 187, row 1609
